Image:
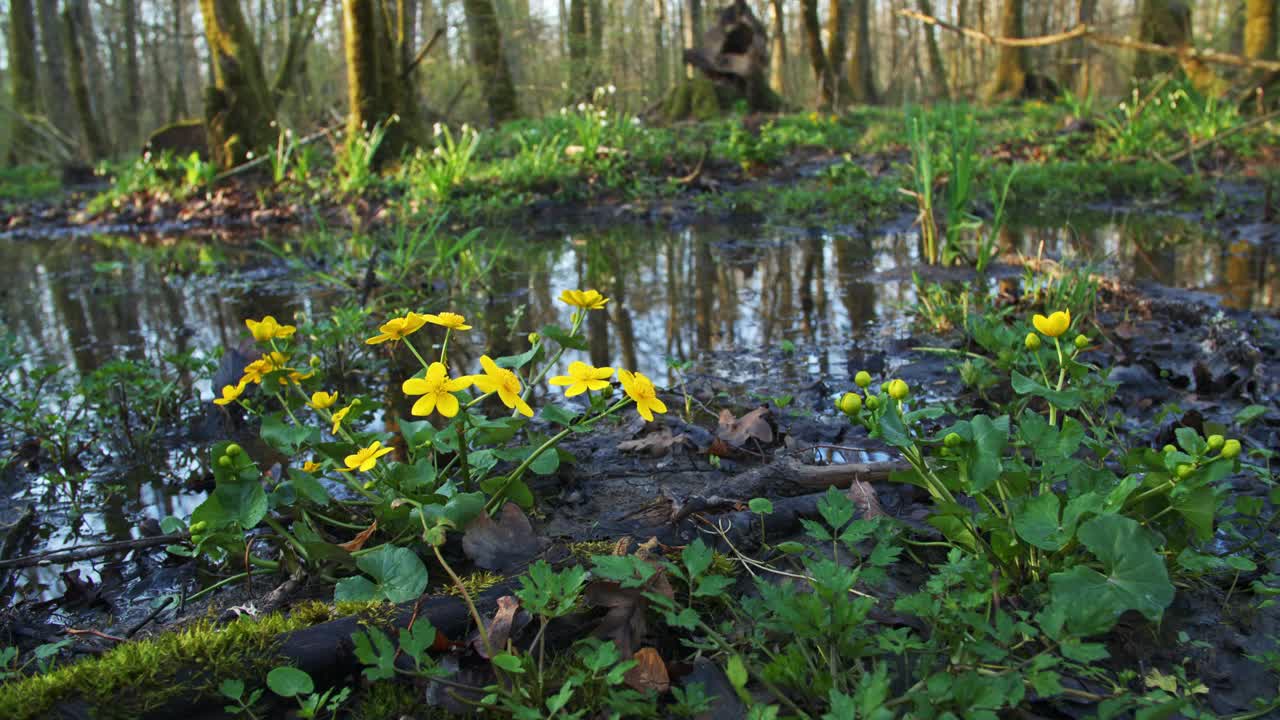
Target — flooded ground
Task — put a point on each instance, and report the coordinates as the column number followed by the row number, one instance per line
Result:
column 764, row 310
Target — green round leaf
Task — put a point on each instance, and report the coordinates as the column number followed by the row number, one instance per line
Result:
column 290, row 681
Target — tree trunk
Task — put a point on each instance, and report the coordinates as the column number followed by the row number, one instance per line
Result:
column 936, row 67
column 837, row 36
column 1163, row 22
column 57, row 105
column 1011, row 63
column 238, row 106
column 778, row 48
column 577, row 49
column 132, row 76
column 659, row 46
column 491, row 62
column 595, row 25
column 25, row 80
column 861, row 71
column 1085, row 82
column 178, row 95
column 95, row 73
column 817, row 57
column 691, row 20
column 1261, row 26
column 92, row 131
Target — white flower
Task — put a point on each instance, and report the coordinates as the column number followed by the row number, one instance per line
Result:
column 437, row 129
column 612, row 88
column 248, row 155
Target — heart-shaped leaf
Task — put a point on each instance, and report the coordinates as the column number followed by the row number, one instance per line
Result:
column 398, row 575
column 1135, row 579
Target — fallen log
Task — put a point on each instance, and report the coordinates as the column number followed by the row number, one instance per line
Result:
column 787, row 476
column 88, row 552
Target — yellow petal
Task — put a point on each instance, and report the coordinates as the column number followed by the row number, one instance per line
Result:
column 447, row 404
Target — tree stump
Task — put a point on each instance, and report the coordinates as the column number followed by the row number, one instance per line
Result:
column 731, row 61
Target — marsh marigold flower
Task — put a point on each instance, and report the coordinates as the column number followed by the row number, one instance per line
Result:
column 398, row 328
column 1054, row 325
column 453, row 321
column 339, row 416
column 255, row 371
column 640, row 389
column 321, row 400
column 436, row 389
column 230, row 393
column 310, row 466
column 502, row 381
column 268, row 329
column 583, row 377
column 364, row 459
column 585, row 299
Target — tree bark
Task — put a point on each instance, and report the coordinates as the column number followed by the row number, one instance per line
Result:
column 1163, row 22
column 595, row 26
column 1262, row 23
column 817, row 57
column 57, row 105
column 1011, row 63
column 25, row 79
column 93, row 136
column 577, row 49
column 660, row 46
column 837, row 37
column 1085, row 84
column 132, row 76
column 936, row 67
column 861, row 71
column 238, row 106
column 491, row 62
column 778, row 48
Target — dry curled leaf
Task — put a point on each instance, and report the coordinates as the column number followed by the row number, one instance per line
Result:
column 502, row 545
column 359, row 540
column 649, row 673
column 659, row 442
column 752, row 426
column 865, row 499
column 499, row 629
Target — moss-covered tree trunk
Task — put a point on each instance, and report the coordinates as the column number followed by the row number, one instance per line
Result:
column 817, row 57
column 378, row 89
column 1082, row 53
column 1163, row 22
column 491, row 62
column 1011, row 64
column 95, row 141
column 56, row 103
column 132, row 76
column 936, row 67
column 577, row 38
column 95, row 73
column 837, row 44
column 24, row 79
column 861, row 71
column 777, row 48
column 1262, row 24
column 660, row 46
column 238, row 106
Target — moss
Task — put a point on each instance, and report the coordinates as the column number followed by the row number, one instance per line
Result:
column 140, row 676
column 389, row 700
column 586, row 549
column 475, row 583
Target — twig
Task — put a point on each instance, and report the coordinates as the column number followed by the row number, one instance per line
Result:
column 1088, row 34
column 265, row 157
column 86, row 552
column 95, row 633
column 724, row 534
column 1224, row 134
column 422, row 54
column 169, row 601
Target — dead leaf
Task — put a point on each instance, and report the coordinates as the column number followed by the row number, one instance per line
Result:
column 649, row 673
column 659, row 442
column 865, row 499
column 624, row 623
column 752, row 426
column 502, row 546
column 358, row 541
column 499, row 629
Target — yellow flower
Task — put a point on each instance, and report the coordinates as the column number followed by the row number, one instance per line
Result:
column 321, row 400
column 1054, row 325
column 436, row 389
column 502, row 381
column 340, row 415
column 297, row 377
column 582, row 377
column 365, row 458
column 398, row 328
column 640, row 388
column 230, row 393
column 585, row 299
column 263, row 366
column 267, row 329
column 310, row 466
column 453, row 321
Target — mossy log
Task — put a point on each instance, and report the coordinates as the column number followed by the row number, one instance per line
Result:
column 732, row 61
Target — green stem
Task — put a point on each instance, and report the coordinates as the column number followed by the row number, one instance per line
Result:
column 280, row 530
column 425, row 365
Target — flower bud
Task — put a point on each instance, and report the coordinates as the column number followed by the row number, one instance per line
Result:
column 1184, row 471
column 1032, row 342
column 1216, row 442
column 198, row 527
column 953, row 440
column 1082, row 342
column 873, row 402
column 862, row 379
column 224, row 461
column 849, row 403
column 1168, row 449
column 1230, row 448
column 534, row 338
column 369, row 485
column 233, row 449
column 898, row 389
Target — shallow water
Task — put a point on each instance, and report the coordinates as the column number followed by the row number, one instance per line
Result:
column 767, row 309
